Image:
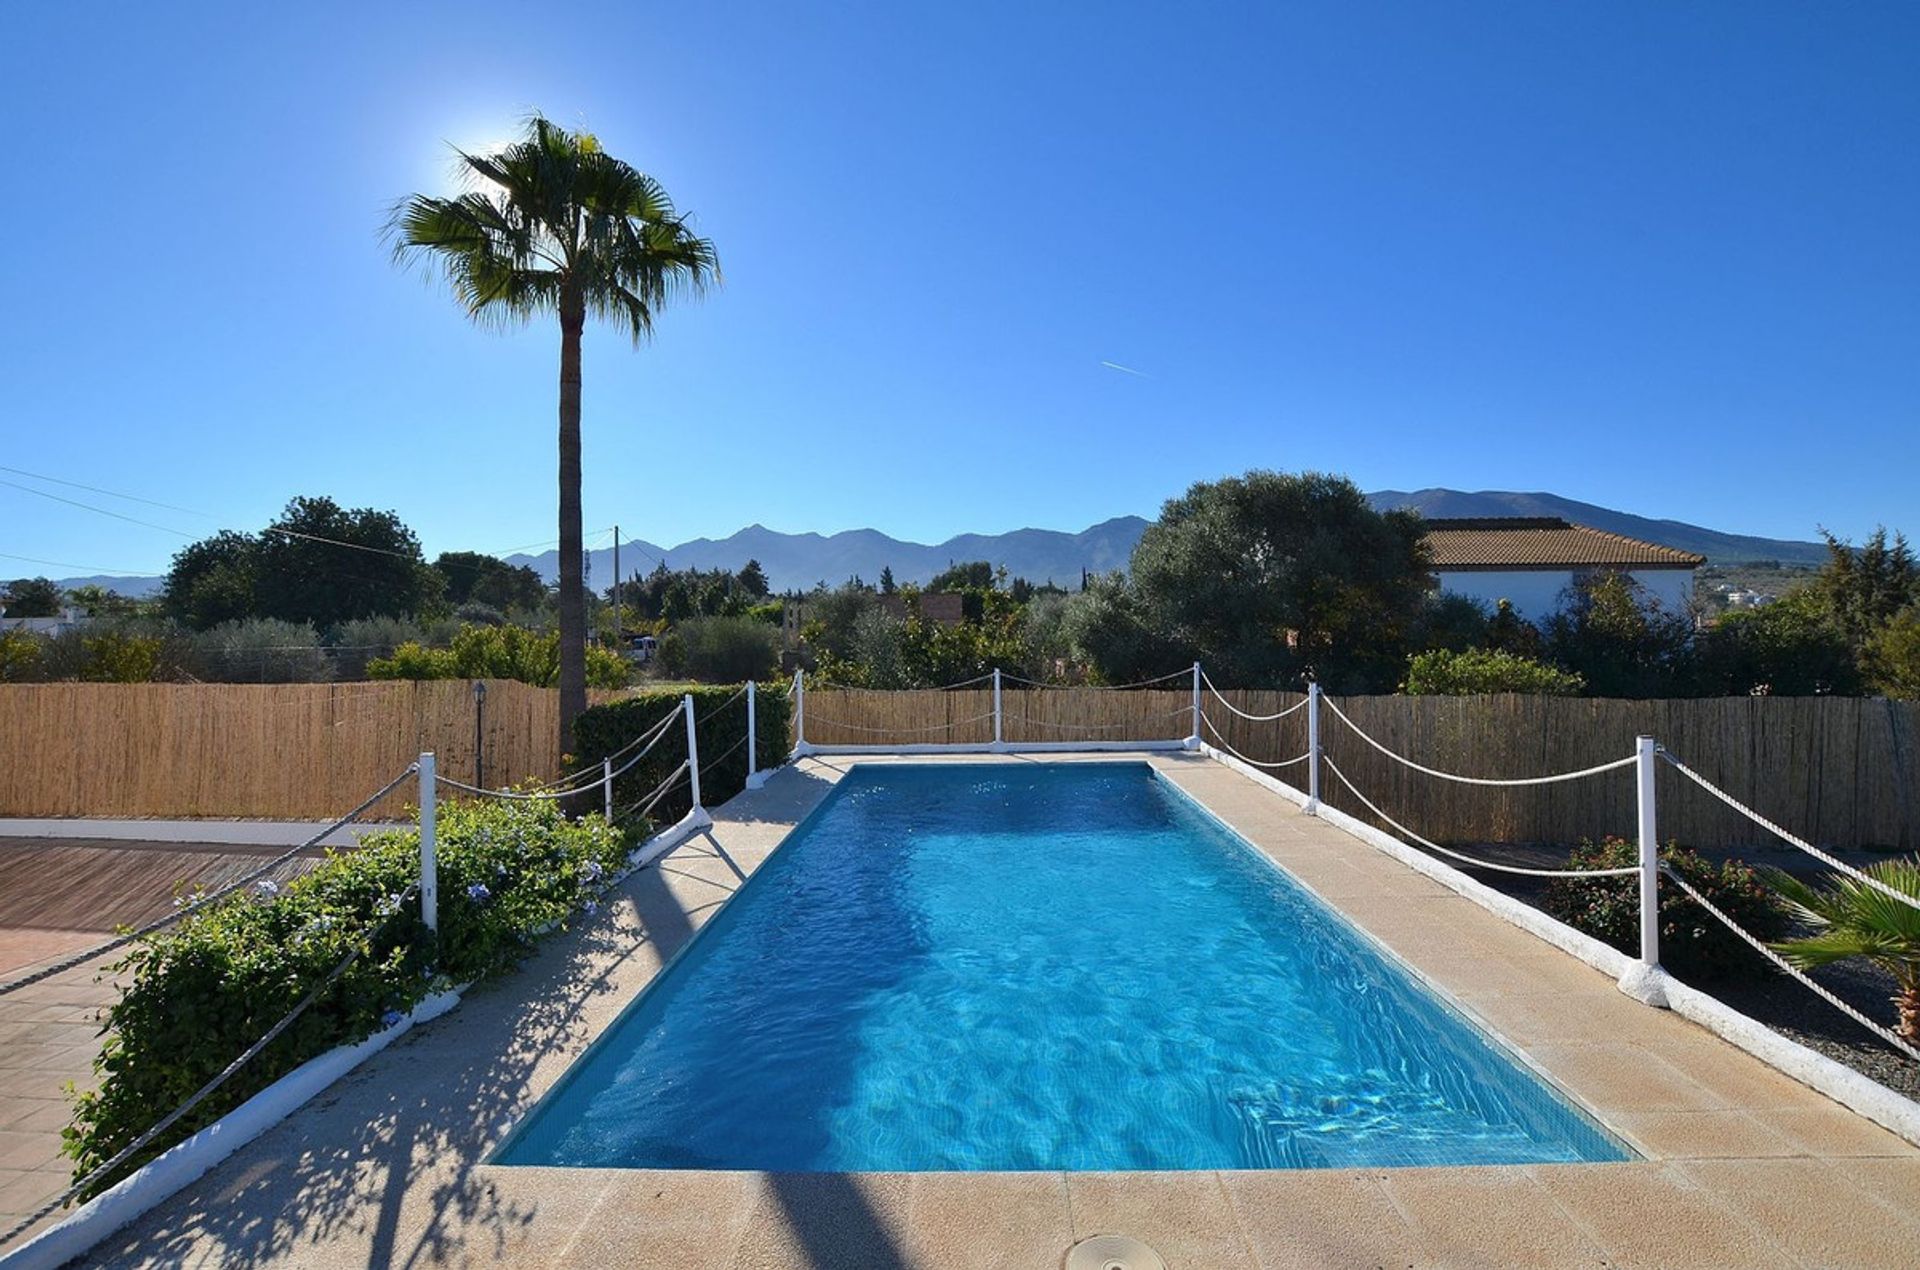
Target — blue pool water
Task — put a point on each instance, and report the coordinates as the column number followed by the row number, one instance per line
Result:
column 1037, row 966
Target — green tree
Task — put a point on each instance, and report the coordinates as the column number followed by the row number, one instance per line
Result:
column 1790, row 648
column 886, row 580
column 31, row 597
column 974, row 575
column 97, row 601
column 1621, row 641
column 552, row 224
column 322, row 563
column 211, row 581
column 753, row 580
column 1270, row 574
column 1892, row 657
column 477, row 578
column 1863, row 587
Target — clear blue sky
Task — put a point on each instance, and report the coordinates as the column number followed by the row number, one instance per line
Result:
column 1657, row 256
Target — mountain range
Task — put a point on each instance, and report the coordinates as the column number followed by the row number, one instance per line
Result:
column 798, row 561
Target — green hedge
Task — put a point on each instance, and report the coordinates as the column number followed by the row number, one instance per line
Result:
column 607, row 729
column 203, row 991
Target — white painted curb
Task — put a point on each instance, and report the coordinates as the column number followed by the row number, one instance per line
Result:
column 164, row 1175
column 252, row 833
column 1837, row 1081
column 1003, row 747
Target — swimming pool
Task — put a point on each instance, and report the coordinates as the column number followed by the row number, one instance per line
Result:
column 1038, row 966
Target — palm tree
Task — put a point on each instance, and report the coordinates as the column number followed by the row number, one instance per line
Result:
column 1858, row 920
column 553, row 224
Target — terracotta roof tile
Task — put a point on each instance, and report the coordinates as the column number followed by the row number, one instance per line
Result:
column 1539, row 542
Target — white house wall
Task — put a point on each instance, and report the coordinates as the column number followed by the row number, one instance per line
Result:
column 1537, row 594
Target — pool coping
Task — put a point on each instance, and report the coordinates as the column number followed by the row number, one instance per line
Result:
column 1721, row 1132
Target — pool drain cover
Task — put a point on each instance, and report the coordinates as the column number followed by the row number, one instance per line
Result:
column 1113, row 1252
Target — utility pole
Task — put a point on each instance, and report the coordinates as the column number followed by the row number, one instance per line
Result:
column 619, row 627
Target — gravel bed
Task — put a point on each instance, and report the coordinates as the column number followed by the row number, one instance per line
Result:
column 1764, row 993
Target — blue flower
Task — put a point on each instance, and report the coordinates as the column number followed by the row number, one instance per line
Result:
column 590, row 908
column 390, row 1018
column 592, row 871
column 388, row 906
column 266, row 888
column 479, row 893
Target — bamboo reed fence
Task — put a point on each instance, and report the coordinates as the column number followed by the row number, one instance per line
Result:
column 1843, row 771
column 259, row 751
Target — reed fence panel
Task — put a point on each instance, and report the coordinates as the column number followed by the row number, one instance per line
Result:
column 259, row 751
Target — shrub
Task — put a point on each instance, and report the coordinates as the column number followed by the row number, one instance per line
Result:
column 1693, row 942
column 722, row 649
column 353, row 644
column 20, row 655
column 200, row 993
column 1441, row 673
column 722, row 720
column 498, row 652
column 260, row 650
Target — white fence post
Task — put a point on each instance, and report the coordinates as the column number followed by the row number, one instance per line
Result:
column 606, row 782
column 1645, row 980
column 998, row 737
column 693, row 754
column 799, row 710
column 1313, row 748
column 1649, row 855
column 754, row 779
column 1193, row 738
column 429, row 870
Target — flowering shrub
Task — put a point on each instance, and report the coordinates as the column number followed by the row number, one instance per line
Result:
column 203, row 991
column 1693, row 942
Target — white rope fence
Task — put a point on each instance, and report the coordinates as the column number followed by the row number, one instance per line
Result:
column 1431, row 845
column 1884, row 1033
column 1228, row 747
column 1832, row 862
column 1503, row 782
column 1251, row 718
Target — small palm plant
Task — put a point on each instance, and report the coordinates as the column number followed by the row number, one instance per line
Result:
column 1858, row 920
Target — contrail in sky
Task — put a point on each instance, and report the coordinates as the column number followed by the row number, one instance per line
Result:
column 1125, row 370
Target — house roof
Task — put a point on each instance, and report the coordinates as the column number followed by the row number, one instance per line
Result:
column 1543, row 542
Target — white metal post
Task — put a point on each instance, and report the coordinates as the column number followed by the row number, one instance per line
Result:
column 1193, row 738
column 998, row 737
column 799, row 710
column 1313, row 748
column 753, row 740
column 606, row 784
column 429, row 870
column 1649, row 856
column 693, row 753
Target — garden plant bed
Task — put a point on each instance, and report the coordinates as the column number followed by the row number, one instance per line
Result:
column 1758, row 990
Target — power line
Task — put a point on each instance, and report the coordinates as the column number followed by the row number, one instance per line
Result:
column 132, row 520
column 95, row 489
column 68, row 564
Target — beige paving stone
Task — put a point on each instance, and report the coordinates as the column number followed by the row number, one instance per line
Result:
column 684, row 1219
column 1614, row 1076
column 1651, row 1217
column 1831, row 1131
column 1894, row 1180
column 1817, row 1214
column 988, row 1221
column 1700, row 1135
column 1185, row 1217
column 1489, row 1216
column 805, row 1220
column 1311, row 1217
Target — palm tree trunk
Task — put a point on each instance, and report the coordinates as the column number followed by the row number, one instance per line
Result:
column 572, row 599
